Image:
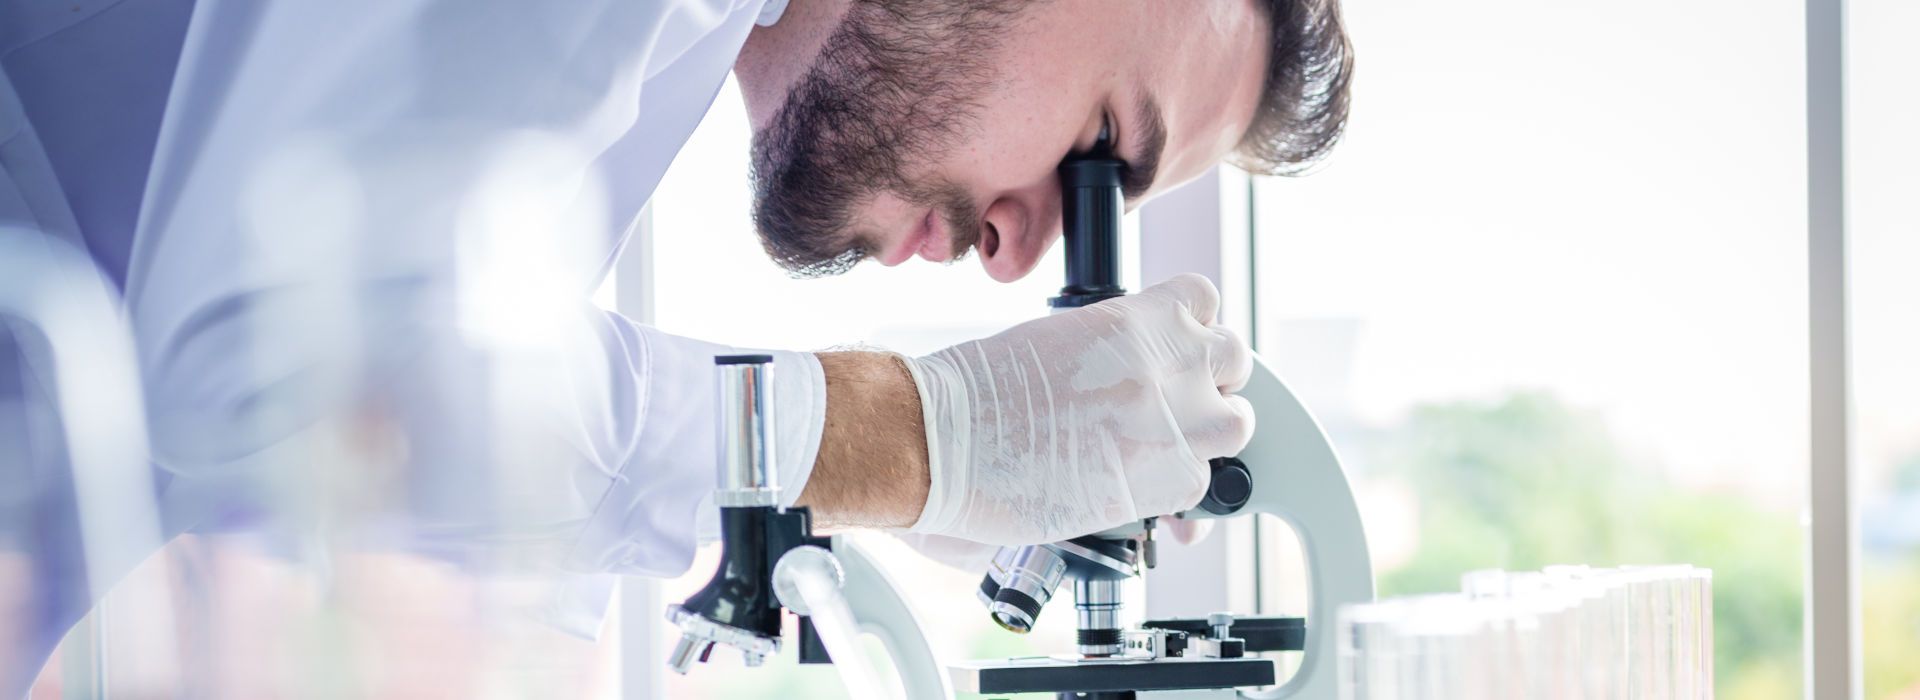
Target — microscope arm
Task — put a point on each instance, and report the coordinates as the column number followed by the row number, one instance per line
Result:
column 883, row 613
column 1297, row 477
column 1288, row 470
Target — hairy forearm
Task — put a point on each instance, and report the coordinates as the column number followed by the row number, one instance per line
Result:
column 872, row 468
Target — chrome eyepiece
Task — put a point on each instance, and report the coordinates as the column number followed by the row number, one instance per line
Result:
column 747, row 472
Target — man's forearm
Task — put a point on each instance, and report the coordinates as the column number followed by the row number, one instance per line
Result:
column 872, row 468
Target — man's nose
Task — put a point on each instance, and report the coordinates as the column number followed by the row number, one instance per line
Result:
column 1018, row 228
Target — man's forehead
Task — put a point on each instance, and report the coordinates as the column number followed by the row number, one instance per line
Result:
column 1207, row 81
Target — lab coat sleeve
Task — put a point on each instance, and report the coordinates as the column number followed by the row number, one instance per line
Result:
column 380, row 280
column 678, row 419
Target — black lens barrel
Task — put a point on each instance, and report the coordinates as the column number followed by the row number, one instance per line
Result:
column 1091, row 206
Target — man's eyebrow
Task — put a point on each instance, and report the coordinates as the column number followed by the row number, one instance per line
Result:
column 1138, row 174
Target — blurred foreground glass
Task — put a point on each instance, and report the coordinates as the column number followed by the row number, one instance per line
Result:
column 380, row 513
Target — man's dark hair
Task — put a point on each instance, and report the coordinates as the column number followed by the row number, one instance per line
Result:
column 1303, row 104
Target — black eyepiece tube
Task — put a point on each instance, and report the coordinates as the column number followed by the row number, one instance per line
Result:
column 1090, row 209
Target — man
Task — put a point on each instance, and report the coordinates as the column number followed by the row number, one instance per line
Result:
column 374, row 218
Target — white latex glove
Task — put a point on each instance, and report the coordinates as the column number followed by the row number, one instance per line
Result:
column 972, row 557
column 1186, row 531
column 967, row 556
column 1083, row 420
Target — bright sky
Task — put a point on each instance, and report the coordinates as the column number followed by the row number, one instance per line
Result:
column 1610, row 204
column 1885, row 232
column 1578, row 198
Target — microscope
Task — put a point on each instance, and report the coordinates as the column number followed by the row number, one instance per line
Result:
column 1288, row 470
column 771, row 561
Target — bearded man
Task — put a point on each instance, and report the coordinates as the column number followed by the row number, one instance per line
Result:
column 383, row 218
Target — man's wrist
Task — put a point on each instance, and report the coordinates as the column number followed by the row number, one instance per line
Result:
column 872, row 464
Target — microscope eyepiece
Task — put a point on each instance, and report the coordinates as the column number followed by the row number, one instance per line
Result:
column 747, row 472
column 1090, row 210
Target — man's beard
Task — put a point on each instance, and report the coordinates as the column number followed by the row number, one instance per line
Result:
column 897, row 84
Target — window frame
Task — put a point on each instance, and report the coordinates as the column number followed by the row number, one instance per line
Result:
column 1831, row 606
column 1833, row 656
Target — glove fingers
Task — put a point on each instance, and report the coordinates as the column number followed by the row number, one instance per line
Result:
column 1186, row 531
column 1175, row 476
column 1223, row 431
column 1192, row 292
column 1231, row 359
column 1177, row 488
column 966, row 555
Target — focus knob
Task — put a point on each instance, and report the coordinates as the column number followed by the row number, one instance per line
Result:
column 1231, row 486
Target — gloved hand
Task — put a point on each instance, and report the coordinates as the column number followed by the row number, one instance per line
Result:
column 965, row 556
column 970, row 557
column 1083, row 420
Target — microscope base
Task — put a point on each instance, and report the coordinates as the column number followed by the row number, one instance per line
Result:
column 1102, row 678
column 1206, row 694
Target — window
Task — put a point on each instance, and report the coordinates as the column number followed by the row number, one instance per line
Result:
column 1884, row 236
column 1549, row 299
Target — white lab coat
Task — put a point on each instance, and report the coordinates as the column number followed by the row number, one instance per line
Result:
column 301, row 261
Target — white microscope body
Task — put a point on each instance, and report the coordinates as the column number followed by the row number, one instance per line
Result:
column 1297, row 477
column 1288, row 470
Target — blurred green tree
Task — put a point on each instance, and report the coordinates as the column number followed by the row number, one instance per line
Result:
column 1526, row 481
column 1890, row 610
